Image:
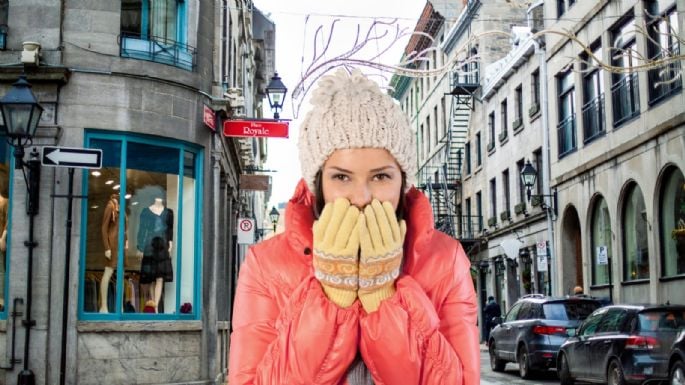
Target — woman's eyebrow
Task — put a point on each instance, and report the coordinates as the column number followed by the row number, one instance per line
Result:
column 340, row 169
column 383, row 168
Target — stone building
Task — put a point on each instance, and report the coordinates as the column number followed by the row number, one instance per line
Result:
column 618, row 150
column 446, row 111
column 151, row 265
column 604, row 212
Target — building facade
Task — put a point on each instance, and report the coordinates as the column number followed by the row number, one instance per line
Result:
column 618, row 150
column 447, row 112
column 601, row 126
column 137, row 287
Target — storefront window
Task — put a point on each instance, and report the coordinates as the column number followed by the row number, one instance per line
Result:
column 635, row 251
column 601, row 243
column 672, row 214
column 142, row 253
column 5, row 178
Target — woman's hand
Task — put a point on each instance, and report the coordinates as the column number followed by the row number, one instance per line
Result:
column 381, row 238
column 336, row 246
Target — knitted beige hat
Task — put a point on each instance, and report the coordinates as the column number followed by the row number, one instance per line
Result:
column 351, row 111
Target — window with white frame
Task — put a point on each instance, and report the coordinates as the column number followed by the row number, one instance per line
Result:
column 593, row 95
column 566, row 128
column 625, row 92
column 663, row 45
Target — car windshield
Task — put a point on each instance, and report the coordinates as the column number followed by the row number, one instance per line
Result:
column 576, row 310
column 662, row 320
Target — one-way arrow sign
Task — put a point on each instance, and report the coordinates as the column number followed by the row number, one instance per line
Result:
column 72, row 157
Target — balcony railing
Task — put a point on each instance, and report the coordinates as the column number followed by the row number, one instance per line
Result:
column 626, row 98
column 593, row 119
column 158, row 50
column 666, row 80
column 566, row 130
column 466, row 78
column 469, row 226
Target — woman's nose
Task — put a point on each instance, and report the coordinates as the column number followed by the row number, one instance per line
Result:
column 360, row 196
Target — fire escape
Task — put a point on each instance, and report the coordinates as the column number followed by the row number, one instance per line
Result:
column 440, row 177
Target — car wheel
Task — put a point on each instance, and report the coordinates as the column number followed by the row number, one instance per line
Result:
column 496, row 364
column 564, row 371
column 615, row 374
column 524, row 363
column 677, row 374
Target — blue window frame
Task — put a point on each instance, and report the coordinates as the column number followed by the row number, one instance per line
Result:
column 6, row 187
column 156, row 31
column 141, row 230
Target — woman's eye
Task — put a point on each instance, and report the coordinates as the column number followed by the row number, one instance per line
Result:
column 381, row 176
column 340, row 177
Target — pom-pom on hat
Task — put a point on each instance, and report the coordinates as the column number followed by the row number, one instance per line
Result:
column 351, row 111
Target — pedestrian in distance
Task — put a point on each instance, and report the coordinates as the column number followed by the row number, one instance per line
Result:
column 360, row 288
column 491, row 311
column 578, row 291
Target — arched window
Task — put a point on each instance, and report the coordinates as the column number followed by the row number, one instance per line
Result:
column 635, row 252
column 601, row 242
column 672, row 223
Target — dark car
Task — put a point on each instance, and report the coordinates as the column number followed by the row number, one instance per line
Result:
column 621, row 344
column 676, row 362
column 534, row 329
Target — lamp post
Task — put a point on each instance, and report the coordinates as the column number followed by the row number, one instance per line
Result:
column 528, row 177
column 21, row 113
column 274, row 215
column 276, row 91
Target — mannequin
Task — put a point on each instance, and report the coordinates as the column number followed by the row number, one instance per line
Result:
column 155, row 240
column 110, row 238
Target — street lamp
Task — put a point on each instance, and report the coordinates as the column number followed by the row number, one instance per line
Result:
column 528, row 176
column 276, row 91
column 21, row 113
column 274, row 215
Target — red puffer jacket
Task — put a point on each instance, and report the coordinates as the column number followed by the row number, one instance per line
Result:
column 286, row 331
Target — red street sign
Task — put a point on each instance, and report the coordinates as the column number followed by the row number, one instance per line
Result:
column 209, row 118
column 256, row 128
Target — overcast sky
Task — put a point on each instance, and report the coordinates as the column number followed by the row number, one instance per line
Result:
column 295, row 39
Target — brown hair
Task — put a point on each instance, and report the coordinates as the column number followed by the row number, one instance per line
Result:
column 319, row 202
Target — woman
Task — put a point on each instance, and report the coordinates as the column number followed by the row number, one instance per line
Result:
column 367, row 292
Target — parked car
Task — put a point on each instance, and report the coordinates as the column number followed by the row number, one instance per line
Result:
column 534, row 329
column 621, row 344
column 676, row 362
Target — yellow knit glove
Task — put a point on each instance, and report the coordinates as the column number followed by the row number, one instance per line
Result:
column 381, row 239
column 336, row 246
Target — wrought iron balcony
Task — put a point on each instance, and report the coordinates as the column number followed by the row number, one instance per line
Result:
column 666, row 80
column 625, row 98
column 593, row 119
column 566, row 131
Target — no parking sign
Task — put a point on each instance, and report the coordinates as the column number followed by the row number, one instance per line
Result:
column 246, row 231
